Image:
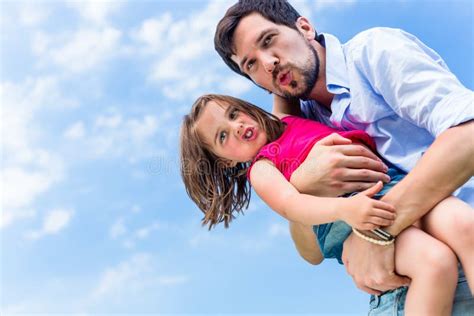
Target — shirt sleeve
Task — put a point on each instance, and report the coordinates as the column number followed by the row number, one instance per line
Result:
column 414, row 80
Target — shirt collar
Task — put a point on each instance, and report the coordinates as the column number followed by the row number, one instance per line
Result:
column 337, row 81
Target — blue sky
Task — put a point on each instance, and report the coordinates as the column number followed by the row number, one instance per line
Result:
column 94, row 217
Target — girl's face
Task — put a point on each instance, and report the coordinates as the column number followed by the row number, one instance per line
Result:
column 230, row 133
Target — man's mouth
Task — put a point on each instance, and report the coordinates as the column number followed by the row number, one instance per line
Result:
column 285, row 78
column 250, row 134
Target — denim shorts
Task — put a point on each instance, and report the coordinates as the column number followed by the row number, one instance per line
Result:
column 331, row 236
column 392, row 303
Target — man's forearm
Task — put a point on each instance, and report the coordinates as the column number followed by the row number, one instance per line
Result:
column 446, row 165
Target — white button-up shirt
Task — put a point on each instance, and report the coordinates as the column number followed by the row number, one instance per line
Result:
column 389, row 84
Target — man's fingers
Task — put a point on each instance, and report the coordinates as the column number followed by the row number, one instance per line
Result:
column 362, row 162
column 334, row 139
column 357, row 150
column 365, row 175
column 395, row 281
column 369, row 290
column 355, row 186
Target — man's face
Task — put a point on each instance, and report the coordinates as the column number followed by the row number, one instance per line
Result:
column 276, row 57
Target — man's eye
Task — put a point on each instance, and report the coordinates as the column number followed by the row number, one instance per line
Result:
column 233, row 114
column 267, row 40
column 222, row 137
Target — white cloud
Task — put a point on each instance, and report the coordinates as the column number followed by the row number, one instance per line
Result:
column 75, row 131
column 40, row 43
column 8, row 217
column 113, row 135
column 151, row 33
column 136, row 209
column 28, row 170
column 144, row 232
column 23, row 185
column 32, row 14
column 278, row 229
column 53, row 223
column 142, row 129
column 56, row 221
column 127, row 277
column 173, row 280
column 96, row 11
column 188, row 66
column 117, row 229
column 86, row 49
column 235, row 85
column 332, row 4
column 303, row 7
column 108, row 121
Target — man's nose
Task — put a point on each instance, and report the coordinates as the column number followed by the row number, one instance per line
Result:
column 269, row 62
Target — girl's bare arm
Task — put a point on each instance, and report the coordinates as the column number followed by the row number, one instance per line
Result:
column 359, row 211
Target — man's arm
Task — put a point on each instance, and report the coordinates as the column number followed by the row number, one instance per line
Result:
column 446, row 165
column 306, row 243
column 419, row 88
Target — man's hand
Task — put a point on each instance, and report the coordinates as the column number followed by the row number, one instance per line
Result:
column 371, row 266
column 334, row 166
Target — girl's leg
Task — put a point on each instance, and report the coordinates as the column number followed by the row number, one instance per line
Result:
column 452, row 222
column 432, row 267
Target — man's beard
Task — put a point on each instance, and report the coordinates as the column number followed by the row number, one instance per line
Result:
column 308, row 74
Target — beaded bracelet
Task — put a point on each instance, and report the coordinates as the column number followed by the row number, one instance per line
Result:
column 373, row 240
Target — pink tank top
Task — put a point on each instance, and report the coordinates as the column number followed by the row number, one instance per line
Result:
column 294, row 145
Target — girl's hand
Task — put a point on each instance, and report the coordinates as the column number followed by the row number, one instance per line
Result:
column 364, row 213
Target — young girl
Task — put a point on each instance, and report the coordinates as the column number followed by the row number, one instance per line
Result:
column 225, row 142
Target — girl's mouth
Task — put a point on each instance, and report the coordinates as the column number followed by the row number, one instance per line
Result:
column 250, row 134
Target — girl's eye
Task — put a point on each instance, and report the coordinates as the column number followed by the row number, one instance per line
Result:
column 222, row 136
column 250, row 65
column 233, row 114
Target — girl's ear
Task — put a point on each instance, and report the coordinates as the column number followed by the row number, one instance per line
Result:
column 304, row 27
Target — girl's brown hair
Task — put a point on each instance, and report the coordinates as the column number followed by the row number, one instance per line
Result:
column 219, row 190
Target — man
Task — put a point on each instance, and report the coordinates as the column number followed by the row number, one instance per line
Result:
column 383, row 81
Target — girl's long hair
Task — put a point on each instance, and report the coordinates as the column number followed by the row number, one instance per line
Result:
column 218, row 189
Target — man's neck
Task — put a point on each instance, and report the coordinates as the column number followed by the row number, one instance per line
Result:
column 320, row 93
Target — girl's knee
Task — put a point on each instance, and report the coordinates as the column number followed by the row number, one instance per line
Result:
column 464, row 227
column 441, row 263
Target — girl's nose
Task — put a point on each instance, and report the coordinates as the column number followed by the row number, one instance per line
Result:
column 238, row 129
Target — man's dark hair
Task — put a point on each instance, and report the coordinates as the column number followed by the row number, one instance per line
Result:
column 276, row 11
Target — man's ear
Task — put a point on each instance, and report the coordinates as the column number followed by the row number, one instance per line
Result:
column 304, row 27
